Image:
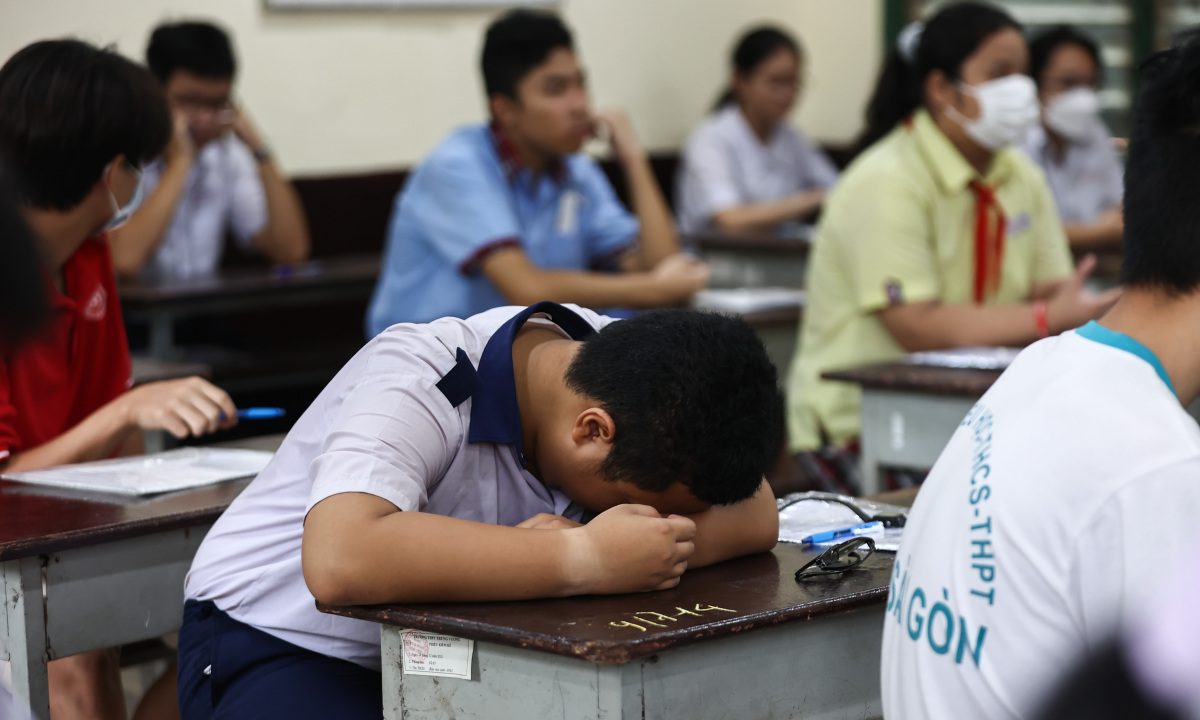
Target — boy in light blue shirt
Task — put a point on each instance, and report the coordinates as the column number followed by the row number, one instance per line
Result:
column 511, row 213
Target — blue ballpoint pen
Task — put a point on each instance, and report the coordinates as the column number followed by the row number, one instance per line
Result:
column 847, row 532
column 259, row 413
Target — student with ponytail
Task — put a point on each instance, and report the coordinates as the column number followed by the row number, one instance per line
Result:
column 745, row 166
column 939, row 235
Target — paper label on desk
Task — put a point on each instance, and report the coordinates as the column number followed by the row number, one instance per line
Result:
column 438, row 655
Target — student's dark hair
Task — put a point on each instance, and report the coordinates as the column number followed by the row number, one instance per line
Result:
column 1042, row 48
column 198, row 47
column 694, row 399
column 516, row 43
column 67, row 109
column 948, row 39
column 1162, row 174
column 22, row 294
column 753, row 49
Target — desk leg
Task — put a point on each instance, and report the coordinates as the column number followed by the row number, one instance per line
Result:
column 25, row 636
column 162, row 335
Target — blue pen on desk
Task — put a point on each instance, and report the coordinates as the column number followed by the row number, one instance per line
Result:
column 843, row 533
column 259, row 413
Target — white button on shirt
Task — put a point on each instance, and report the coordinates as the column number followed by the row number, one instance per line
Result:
column 1087, row 180
column 725, row 165
column 224, row 193
column 1067, row 490
column 385, row 425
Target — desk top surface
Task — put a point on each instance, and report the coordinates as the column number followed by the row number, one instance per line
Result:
column 352, row 270
column 757, row 241
column 929, row 379
column 35, row 520
column 729, row 598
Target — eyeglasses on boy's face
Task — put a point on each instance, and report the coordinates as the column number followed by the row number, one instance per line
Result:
column 840, row 558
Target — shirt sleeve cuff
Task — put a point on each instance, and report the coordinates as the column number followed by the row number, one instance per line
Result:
column 323, row 490
column 473, row 265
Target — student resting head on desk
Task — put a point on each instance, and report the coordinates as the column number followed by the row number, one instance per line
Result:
column 1072, row 488
column 512, row 213
column 745, row 167
column 455, row 461
column 217, row 176
column 1072, row 144
column 76, row 124
column 939, row 235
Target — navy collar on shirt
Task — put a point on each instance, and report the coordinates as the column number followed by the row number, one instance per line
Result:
column 495, row 416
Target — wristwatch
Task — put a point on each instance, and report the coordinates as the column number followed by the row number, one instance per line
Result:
column 262, row 154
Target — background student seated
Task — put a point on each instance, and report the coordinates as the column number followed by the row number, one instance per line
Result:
column 77, row 123
column 424, row 474
column 939, row 235
column 512, row 213
column 217, row 175
column 1071, row 489
column 1072, row 144
column 745, row 166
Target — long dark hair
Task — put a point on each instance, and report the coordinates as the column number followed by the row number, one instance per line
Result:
column 22, row 299
column 949, row 38
column 755, row 47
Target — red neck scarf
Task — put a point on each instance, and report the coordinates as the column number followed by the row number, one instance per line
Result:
column 989, row 241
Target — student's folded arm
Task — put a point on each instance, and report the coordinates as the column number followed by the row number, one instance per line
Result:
column 933, row 325
column 729, row 531
column 96, row 437
column 285, row 239
column 523, row 283
column 766, row 214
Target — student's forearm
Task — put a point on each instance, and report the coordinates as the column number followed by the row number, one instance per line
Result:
column 134, row 243
column 97, row 437
column 1081, row 235
column 729, row 531
column 419, row 557
column 761, row 215
column 658, row 239
column 286, row 238
column 934, row 326
column 589, row 289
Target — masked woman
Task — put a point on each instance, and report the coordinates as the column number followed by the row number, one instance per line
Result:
column 1072, row 144
column 939, row 235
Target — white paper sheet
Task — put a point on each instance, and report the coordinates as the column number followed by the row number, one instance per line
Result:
column 805, row 514
column 150, row 474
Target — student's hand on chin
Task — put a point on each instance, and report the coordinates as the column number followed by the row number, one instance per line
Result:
column 245, row 130
column 546, row 521
column 181, row 147
column 621, row 135
column 628, row 548
column 192, row 406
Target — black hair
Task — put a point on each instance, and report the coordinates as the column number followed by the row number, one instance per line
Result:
column 694, row 398
column 67, row 109
column 753, row 49
column 1042, row 48
column 949, row 38
column 515, row 44
column 1162, row 174
column 22, row 294
column 198, row 47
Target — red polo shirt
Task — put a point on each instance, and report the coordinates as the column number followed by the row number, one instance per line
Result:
column 78, row 363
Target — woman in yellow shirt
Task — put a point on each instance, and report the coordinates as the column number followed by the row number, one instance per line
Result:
column 939, row 235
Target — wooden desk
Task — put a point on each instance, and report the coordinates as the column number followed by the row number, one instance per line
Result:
column 741, row 639
column 753, row 258
column 112, row 568
column 909, row 412
column 163, row 302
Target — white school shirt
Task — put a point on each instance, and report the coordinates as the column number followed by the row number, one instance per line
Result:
column 1069, row 487
column 1088, row 180
column 725, row 165
column 386, row 425
column 224, row 193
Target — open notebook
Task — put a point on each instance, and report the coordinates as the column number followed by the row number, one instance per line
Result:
column 149, row 474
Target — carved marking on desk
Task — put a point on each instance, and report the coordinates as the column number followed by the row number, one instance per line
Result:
column 640, row 622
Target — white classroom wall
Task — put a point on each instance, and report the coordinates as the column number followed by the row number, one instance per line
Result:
column 348, row 91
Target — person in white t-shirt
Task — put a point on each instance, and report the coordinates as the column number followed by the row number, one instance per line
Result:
column 745, row 166
column 216, row 177
column 1075, row 481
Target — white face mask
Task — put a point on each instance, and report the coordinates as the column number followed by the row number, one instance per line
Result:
column 121, row 214
column 1073, row 114
column 1008, row 109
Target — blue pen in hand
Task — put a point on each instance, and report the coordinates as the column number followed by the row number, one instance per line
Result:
column 843, row 533
column 259, row 413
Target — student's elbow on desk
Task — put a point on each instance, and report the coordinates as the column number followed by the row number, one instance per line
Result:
column 335, row 555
